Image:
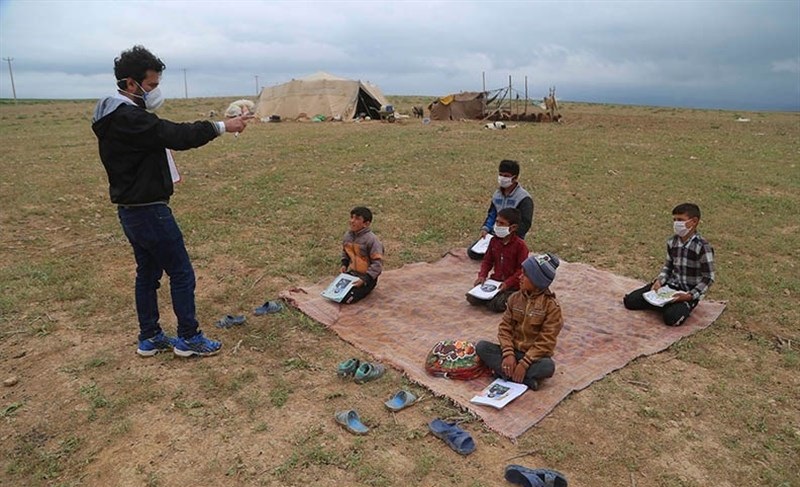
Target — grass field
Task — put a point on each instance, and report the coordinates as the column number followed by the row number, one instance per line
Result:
column 266, row 211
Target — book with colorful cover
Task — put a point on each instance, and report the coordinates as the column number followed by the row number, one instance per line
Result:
column 499, row 393
column 662, row 296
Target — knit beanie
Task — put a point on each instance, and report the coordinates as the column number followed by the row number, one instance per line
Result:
column 541, row 269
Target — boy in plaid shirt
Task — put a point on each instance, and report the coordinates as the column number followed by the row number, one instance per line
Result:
column 689, row 268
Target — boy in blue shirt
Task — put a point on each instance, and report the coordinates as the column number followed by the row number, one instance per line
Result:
column 509, row 194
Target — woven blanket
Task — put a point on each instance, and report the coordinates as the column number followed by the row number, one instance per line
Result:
column 419, row 304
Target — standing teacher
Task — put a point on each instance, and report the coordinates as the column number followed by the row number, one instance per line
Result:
column 134, row 147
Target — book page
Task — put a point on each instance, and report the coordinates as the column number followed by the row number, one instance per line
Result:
column 664, row 295
column 499, row 393
column 173, row 169
column 487, row 290
column 482, row 245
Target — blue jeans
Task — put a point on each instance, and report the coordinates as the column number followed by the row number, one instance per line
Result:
column 158, row 247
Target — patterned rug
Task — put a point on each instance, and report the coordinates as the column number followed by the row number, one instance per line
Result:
column 420, row 304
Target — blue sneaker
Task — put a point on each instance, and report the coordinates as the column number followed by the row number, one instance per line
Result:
column 158, row 343
column 197, row 345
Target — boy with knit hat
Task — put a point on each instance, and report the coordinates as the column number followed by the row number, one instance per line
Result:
column 530, row 326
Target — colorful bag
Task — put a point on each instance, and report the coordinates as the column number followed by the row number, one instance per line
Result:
column 455, row 359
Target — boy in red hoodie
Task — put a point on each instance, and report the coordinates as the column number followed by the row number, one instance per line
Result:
column 505, row 255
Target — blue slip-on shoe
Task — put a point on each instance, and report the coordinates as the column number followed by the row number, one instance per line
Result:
column 459, row 440
column 534, row 477
column 197, row 345
column 268, row 308
column 228, row 321
column 367, row 372
column 351, row 422
column 401, row 400
column 159, row 343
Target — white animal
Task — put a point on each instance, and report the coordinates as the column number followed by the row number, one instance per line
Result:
column 240, row 107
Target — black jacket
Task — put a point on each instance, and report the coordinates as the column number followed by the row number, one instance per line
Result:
column 132, row 143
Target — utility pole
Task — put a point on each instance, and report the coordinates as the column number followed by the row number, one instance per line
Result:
column 185, row 85
column 11, row 72
column 256, row 85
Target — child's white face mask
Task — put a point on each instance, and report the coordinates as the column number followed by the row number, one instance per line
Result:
column 680, row 228
column 505, row 181
column 501, row 232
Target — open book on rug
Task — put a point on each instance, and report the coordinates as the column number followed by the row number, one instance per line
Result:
column 499, row 393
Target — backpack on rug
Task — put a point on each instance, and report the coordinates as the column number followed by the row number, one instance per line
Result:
column 455, row 359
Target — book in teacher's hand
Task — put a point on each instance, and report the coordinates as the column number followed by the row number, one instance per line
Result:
column 339, row 287
column 499, row 393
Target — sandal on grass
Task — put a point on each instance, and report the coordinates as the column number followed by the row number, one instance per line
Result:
column 228, row 321
column 534, row 477
column 401, row 400
column 351, row 422
column 268, row 308
column 456, row 438
column 367, row 372
column 348, row 367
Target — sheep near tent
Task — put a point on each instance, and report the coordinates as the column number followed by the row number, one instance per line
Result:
column 321, row 94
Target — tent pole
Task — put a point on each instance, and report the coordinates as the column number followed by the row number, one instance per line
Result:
column 510, row 96
column 483, row 75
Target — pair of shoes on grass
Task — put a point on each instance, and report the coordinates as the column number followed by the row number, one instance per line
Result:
column 350, row 420
column 198, row 345
column 360, row 371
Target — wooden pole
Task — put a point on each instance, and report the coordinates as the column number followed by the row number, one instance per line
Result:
column 526, row 95
column 510, row 96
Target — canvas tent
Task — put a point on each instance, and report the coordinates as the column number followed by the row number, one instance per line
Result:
column 320, row 94
column 468, row 104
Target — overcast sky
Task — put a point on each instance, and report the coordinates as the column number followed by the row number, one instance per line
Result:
column 727, row 54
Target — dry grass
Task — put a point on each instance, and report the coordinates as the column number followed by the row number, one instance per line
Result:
column 266, row 211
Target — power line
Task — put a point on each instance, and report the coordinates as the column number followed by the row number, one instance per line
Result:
column 11, row 72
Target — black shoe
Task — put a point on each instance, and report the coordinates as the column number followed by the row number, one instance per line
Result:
column 532, row 384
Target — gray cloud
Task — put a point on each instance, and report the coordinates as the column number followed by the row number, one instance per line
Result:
column 709, row 54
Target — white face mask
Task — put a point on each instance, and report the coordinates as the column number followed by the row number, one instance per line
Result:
column 680, row 229
column 501, row 232
column 153, row 99
column 505, row 181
